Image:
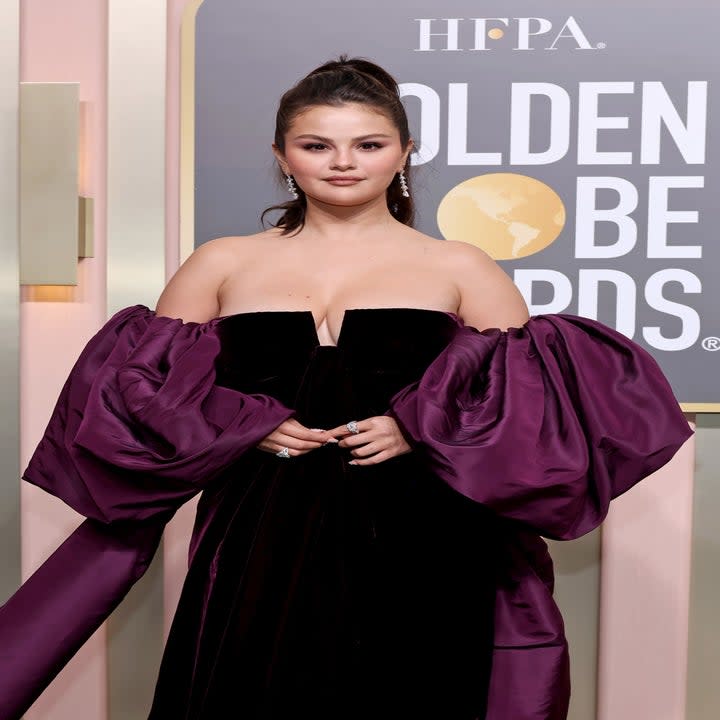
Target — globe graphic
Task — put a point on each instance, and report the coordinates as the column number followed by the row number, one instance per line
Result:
column 508, row 215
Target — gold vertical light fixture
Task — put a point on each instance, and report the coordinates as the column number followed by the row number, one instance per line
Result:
column 55, row 221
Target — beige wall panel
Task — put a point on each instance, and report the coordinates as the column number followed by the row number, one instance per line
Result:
column 136, row 275
column 577, row 592
column 86, row 219
column 187, row 127
column 9, row 301
column 703, row 701
column 180, row 172
column 136, row 152
column 49, row 160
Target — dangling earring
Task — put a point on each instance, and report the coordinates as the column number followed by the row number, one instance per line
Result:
column 403, row 184
column 292, row 189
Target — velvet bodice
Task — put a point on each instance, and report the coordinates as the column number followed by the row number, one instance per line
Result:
column 378, row 352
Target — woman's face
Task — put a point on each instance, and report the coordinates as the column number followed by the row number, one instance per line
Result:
column 343, row 155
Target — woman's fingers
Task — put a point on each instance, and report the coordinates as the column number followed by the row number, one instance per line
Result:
column 278, row 442
column 357, row 427
column 377, row 439
column 294, row 436
column 369, row 449
column 296, row 429
column 370, row 441
column 374, row 459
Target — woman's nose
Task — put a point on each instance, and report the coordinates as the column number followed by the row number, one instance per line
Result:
column 342, row 160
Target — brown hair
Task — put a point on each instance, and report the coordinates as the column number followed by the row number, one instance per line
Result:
column 345, row 80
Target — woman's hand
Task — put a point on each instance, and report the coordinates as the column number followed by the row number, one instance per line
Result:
column 378, row 439
column 294, row 436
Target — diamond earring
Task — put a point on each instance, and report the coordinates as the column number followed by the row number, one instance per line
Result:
column 403, row 184
column 292, row 189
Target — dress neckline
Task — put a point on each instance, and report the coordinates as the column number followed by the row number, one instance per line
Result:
column 346, row 313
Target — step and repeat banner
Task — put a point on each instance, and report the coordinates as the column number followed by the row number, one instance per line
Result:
column 576, row 143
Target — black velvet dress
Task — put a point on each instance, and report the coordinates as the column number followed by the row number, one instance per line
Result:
column 321, row 589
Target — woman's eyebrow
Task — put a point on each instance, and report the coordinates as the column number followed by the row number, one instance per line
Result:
column 328, row 140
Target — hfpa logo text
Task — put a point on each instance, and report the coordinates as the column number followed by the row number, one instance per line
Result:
column 528, row 33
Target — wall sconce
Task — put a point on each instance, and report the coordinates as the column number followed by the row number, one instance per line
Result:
column 55, row 222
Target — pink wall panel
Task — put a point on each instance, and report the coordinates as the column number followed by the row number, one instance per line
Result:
column 64, row 42
column 645, row 593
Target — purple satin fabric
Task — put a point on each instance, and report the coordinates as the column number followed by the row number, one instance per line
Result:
column 140, row 427
column 544, row 424
column 62, row 604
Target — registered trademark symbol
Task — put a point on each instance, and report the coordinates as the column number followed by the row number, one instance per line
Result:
column 601, row 46
column 711, row 343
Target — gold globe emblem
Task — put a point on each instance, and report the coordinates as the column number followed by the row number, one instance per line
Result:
column 495, row 33
column 508, row 215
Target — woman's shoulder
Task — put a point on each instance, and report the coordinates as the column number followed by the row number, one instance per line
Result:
column 454, row 253
column 193, row 291
column 231, row 247
column 487, row 295
column 464, row 252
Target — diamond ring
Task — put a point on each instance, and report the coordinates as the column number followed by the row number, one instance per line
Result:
column 284, row 453
column 352, row 427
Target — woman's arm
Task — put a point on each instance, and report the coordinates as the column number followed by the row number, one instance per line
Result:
column 488, row 297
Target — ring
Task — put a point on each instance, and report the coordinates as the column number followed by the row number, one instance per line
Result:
column 352, row 427
column 284, row 453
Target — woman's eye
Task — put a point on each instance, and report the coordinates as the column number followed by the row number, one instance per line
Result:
column 322, row 146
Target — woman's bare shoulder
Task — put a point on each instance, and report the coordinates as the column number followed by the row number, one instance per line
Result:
column 456, row 256
column 457, row 251
column 230, row 247
column 488, row 296
column 193, row 292
column 449, row 249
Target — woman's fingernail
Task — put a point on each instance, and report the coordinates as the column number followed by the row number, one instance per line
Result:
column 331, row 440
column 352, row 462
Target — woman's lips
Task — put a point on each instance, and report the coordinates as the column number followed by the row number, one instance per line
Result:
column 343, row 181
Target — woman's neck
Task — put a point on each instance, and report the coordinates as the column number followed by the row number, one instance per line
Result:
column 323, row 220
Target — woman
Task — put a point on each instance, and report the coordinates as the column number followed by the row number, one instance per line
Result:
column 381, row 436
